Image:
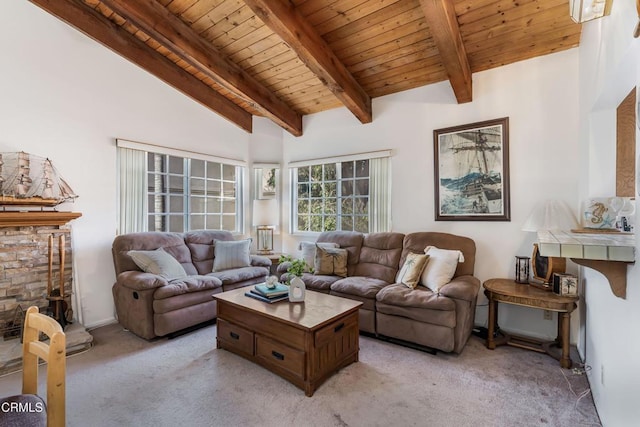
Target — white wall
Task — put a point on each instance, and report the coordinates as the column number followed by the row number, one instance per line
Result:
column 609, row 69
column 66, row 97
column 540, row 98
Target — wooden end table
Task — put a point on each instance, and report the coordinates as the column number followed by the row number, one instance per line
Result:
column 275, row 261
column 510, row 292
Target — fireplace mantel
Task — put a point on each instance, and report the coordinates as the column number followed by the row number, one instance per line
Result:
column 36, row 218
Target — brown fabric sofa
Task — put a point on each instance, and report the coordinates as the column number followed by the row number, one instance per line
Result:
column 439, row 320
column 149, row 305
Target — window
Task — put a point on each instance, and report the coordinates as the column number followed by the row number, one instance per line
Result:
column 338, row 195
column 171, row 190
column 190, row 194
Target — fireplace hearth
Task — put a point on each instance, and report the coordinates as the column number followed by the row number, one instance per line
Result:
column 36, row 272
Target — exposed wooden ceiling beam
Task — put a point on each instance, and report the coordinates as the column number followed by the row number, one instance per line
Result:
column 283, row 19
column 443, row 25
column 99, row 28
column 175, row 35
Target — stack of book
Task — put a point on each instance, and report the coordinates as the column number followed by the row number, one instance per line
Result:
column 262, row 293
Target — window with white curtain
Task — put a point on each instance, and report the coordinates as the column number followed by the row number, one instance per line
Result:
column 163, row 189
column 350, row 193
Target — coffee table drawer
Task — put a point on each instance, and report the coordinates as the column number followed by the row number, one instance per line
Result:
column 235, row 337
column 280, row 355
column 332, row 331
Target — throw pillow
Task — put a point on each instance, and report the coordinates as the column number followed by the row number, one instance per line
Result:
column 330, row 261
column 158, row 262
column 308, row 252
column 441, row 267
column 409, row 274
column 231, row 254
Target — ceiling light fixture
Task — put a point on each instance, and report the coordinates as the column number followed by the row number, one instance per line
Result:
column 586, row 10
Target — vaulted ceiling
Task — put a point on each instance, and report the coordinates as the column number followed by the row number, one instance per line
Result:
column 282, row 59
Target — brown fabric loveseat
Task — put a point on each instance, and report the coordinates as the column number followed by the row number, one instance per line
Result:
column 440, row 320
column 149, row 305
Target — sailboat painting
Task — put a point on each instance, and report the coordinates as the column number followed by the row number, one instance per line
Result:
column 471, row 164
column 30, row 180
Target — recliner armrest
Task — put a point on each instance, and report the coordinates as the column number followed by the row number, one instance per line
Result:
column 462, row 287
column 140, row 281
column 283, row 267
column 260, row 261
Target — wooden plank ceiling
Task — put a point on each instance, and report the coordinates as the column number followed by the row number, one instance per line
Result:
column 283, row 59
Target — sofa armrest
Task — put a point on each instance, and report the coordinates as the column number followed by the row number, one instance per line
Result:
column 140, row 281
column 462, row 287
column 260, row 261
column 283, row 267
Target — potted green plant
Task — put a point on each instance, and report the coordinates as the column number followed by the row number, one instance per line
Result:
column 295, row 266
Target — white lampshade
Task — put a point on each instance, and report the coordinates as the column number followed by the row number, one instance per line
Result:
column 586, row 10
column 550, row 215
column 265, row 212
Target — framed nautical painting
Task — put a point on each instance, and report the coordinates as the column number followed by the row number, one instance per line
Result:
column 471, row 165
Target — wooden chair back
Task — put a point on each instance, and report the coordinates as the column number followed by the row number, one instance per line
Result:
column 53, row 353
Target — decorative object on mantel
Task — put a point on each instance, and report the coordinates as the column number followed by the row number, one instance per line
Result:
column 30, row 180
column 550, row 215
column 607, row 215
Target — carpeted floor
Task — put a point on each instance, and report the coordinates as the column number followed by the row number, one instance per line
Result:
column 186, row 381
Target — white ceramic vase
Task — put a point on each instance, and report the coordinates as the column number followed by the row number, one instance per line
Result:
column 296, row 290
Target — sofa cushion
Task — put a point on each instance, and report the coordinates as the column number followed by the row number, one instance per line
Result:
column 187, row 285
column 420, row 297
column 417, row 242
column 241, row 274
column 330, row 261
column 308, row 252
column 200, row 244
column 349, row 240
column 420, row 304
column 158, row 262
column 232, row 254
column 440, row 268
column 365, row 287
column 171, row 243
column 177, row 302
column 409, row 274
column 380, row 256
column 318, row 282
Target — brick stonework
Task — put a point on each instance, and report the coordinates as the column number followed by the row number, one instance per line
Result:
column 24, row 267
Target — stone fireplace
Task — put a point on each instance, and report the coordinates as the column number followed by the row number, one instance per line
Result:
column 24, row 275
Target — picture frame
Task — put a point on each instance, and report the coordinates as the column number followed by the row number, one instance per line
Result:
column 267, row 177
column 471, row 172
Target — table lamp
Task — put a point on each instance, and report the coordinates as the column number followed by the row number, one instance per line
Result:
column 550, row 215
column 265, row 218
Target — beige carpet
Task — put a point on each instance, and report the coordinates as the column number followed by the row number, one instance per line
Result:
column 186, row 381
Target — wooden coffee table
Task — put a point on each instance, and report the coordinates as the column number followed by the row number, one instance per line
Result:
column 305, row 343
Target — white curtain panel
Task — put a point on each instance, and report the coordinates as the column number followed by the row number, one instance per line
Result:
column 132, row 199
column 380, row 194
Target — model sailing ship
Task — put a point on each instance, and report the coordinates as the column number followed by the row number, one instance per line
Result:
column 29, row 180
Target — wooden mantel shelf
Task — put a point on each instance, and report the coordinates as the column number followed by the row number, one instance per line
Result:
column 36, row 218
column 610, row 254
